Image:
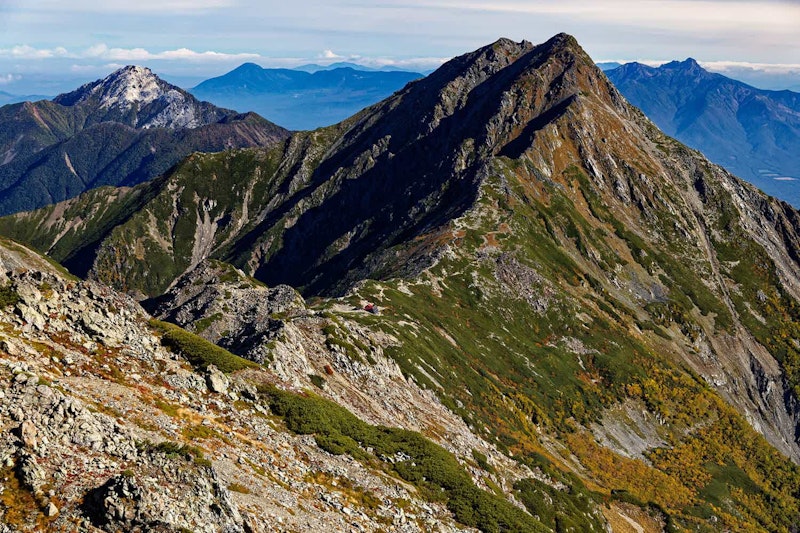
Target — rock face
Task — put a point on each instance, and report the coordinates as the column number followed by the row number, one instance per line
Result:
column 227, row 307
column 127, row 128
column 575, row 286
column 324, row 351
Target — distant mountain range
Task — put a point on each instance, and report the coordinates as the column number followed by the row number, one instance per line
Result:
column 301, row 100
column 754, row 133
column 313, row 67
column 122, row 130
column 608, row 65
column 8, row 98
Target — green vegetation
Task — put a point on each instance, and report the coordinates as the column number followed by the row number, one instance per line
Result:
column 198, row 351
column 199, row 431
column 337, row 336
column 205, row 323
column 559, row 510
column 238, row 487
column 521, row 379
column 173, row 449
column 8, row 295
column 167, row 408
column 410, row 455
column 765, row 308
column 317, row 380
column 482, row 462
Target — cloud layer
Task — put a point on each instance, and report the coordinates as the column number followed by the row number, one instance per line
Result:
column 104, row 53
column 203, row 37
column 126, row 6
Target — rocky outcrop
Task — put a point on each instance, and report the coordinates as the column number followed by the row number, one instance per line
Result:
column 180, row 494
column 221, row 303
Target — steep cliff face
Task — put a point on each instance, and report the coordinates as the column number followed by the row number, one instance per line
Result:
column 582, row 290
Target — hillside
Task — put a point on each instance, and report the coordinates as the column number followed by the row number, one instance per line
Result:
column 122, row 130
column 301, row 100
column 754, row 133
column 598, row 303
column 116, row 422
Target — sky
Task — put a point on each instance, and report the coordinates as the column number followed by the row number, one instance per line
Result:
column 50, row 46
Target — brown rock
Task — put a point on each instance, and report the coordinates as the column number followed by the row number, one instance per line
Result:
column 51, row 510
column 28, row 433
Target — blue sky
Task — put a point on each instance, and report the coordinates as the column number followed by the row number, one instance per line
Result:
column 50, row 45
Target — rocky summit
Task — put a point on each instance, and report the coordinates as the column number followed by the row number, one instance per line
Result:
column 137, row 97
column 499, row 300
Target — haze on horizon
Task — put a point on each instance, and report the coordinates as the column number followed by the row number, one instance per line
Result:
column 48, row 46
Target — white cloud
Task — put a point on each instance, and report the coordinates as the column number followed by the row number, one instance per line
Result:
column 104, row 53
column 24, row 51
column 329, row 54
column 127, row 6
column 738, row 66
column 414, row 63
column 100, row 57
column 9, row 78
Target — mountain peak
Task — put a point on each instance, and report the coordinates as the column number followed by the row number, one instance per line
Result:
column 135, row 96
column 130, row 85
column 689, row 65
column 122, row 88
column 562, row 40
column 248, row 67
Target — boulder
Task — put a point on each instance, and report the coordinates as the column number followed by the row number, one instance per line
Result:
column 216, row 381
